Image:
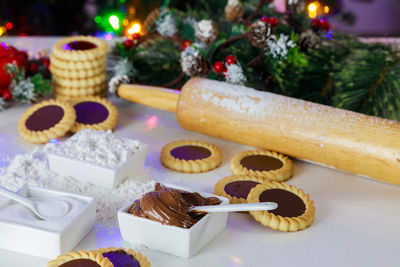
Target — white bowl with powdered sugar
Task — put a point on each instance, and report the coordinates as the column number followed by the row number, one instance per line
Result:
column 98, row 157
column 22, row 231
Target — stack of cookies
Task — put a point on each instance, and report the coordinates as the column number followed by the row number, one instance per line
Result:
column 78, row 67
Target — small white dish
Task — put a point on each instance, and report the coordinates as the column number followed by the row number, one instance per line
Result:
column 98, row 175
column 171, row 239
column 41, row 242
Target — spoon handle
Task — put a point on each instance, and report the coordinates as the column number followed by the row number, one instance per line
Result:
column 237, row 207
column 16, row 197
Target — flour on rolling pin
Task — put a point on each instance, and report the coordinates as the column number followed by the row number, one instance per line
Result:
column 249, row 102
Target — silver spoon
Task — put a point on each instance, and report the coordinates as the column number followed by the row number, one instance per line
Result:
column 236, row 207
column 46, row 209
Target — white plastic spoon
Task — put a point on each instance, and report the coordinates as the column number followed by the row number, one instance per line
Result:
column 45, row 209
column 236, row 207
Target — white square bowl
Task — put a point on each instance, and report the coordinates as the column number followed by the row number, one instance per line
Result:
column 95, row 174
column 172, row 239
column 46, row 243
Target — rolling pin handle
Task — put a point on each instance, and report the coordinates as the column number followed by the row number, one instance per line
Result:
column 151, row 96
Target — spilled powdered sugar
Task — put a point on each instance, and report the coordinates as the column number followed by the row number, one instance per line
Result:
column 98, row 147
column 32, row 169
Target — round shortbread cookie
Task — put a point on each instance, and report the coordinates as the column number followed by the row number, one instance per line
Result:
column 131, row 258
column 94, row 113
column 295, row 209
column 80, row 48
column 190, row 156
column 77, row 91
column 46, row 120
column 77, row 65
column 265, row 164
column 81, row 83
column 81, row 258
column 68, row 97
column 76, row 74
column 236, row 187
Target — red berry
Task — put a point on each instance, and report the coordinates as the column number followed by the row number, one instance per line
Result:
column 316, row 23
column 273, row 22
column 33, row 67
column 45, row 61
column 186, row 44
column 7, row 94
column 219, row 66
column 128, row 44
column 264, row 19
column 324, row 24
column 136, row 36
column 231, row 59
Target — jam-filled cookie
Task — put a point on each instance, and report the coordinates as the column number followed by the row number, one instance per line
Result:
column 80, row 48
column 190, row 156
column 121, row 257
column 295, row 209
column 236, row 187
column 46, row 120
column 265, row 164
column 80, row 259
column 93, row 112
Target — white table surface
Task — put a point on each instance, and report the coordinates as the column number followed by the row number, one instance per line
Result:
column 357, row 219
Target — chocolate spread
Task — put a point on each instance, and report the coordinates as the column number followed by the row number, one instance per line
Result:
column 170, row 206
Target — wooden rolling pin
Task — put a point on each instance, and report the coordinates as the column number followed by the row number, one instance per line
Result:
column 346, row 140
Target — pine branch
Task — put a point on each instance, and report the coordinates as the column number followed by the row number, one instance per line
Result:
column 260, row 4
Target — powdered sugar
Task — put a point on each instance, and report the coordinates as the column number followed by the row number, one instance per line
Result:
column 100, row 148
column 32, row 168
column 18, row 213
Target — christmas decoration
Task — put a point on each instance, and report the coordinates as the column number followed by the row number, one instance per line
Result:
column 309, row 40
column 219, row 66
column 295, row 6
column 234, row 74
column 9, row 54
column 206, row 31
column 166, row 24
column 26, row 90
column 233, row 11
column 278, row 48
column 286, row 53
column 259, row 33
column 116, row 81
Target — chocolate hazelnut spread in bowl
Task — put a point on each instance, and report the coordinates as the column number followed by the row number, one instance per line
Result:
column 160, row 220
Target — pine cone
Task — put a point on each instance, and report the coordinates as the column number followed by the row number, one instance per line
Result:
column 295, row 6
column 259, row 33
column 309, row 40
column 233, row 11
column 151, row 17
column 206, row 31
column 115, row 82
column 193, row 65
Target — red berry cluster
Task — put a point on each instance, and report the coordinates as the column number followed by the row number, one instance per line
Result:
column 6, row 94
column 219, row 66
column 273, row 22
column 40, row 65
column 186, row 44
column 320, row 24
column 131, row 42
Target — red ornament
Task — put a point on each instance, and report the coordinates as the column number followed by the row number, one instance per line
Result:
column 186, row 44
column 6, row 94
column 136, row 36
column 264, row 19
column 231, row 59
column 33, row 67
column 274, row 22
column 128, row 44
column 324, row 24
column 9, row 26
column 219, row 66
